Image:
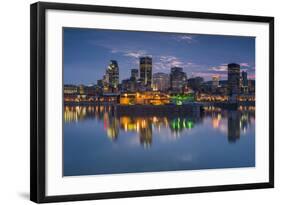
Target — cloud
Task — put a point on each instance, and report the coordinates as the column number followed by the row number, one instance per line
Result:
column 167, row 62
column 135, row 54
column 208, row 74
column 223, row 67
column 130, row 53
column 244, row 65
column 185, row 38
column 220, row 68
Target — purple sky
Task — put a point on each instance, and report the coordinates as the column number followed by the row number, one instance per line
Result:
column 87, row 53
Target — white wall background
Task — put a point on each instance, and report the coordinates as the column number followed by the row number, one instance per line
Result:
column 14, row 100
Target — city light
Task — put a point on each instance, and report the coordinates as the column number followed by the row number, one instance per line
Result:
column 145, row 88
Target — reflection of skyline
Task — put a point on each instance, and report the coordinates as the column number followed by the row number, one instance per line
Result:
column 232, row 123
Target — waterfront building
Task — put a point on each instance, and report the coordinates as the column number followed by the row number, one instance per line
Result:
column 146, row 71
column 161, row 82
column 105, row 83
column 205, row 97
column 177, row 79
column 144, row 98
column 233, row 81
column 81, row 90
column 180, row 99
column 70, row 89
column 92, row 90
column 195, row 83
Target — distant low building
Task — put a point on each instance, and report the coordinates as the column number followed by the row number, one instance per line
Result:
column 144, row 98
column 70, row 89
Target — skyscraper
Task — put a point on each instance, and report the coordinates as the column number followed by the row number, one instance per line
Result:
column 177, row 79
column 244, row 86
column 160, row 81
column 113, row 74
column 244, row 78
column 233, row 81
column 146, row 71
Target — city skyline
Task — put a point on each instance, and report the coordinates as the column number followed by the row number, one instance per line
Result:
column 87, row 53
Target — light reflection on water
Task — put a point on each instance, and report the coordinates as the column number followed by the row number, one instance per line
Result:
column 97, row 135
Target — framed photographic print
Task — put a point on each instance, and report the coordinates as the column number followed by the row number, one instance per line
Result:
column 129, row 102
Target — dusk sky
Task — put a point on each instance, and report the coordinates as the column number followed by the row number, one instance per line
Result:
column 87, row 53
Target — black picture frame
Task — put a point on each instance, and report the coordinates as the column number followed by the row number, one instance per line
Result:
column 38, row 101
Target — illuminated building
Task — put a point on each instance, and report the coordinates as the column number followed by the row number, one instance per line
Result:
column 204, row 97
column 146, row 71
column 244, row 83
column 233, row 81
column 177, row 79
column 144, row 98
column 105, row 83
column 81, row 89
column 181, row 99
column 215, row 82
column 112, row 75
column 70, row 89
column 160, row 82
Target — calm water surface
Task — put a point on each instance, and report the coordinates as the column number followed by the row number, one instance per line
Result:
column 98, row 141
